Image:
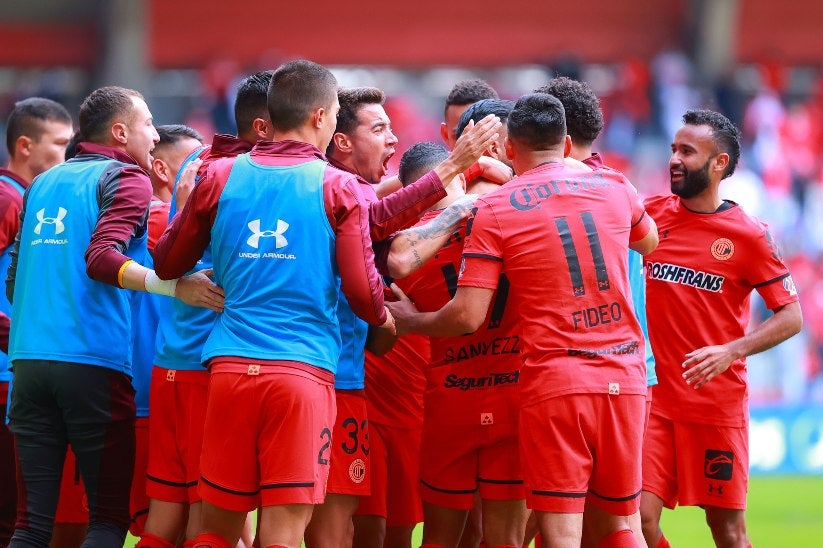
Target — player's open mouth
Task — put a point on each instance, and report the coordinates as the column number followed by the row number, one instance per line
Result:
column 676, row 174
column 386, row 160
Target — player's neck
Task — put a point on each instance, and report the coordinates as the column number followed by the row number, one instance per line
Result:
column 21, row 170
column 580, row 152
column 707, row 201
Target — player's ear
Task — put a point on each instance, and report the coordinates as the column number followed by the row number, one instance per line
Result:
column 161, row 169
column 444, row 132
column 342, row 142
column 22, row 147
column 120, row 133
column 720, row 162
column 262, row 128
column 507, row 144
column 567, row 146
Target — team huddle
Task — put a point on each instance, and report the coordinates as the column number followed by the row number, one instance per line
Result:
column 270, row 322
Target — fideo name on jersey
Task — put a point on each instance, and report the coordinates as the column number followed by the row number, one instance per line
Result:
column 686, row 276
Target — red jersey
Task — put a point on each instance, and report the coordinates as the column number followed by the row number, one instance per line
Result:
column 395, row 383
column 561, row 236
column 698, row 284
column 471, row 376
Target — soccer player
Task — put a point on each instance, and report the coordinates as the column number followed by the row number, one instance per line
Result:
column 70, row 344
column 476, row 112
column 584, row 121
column 712, row 255
column 461, row 96
column 470, row 404
column 281, row 224
column 362, row 144
column 177, row 142
column 38, row 131
column 561, row 235
column 394, row 403
column 179, row 380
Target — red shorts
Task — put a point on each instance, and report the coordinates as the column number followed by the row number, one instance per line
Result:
column 139, row 501
column 178, row 409
column 394, row 491
column 350, row 468
column 648, row 409
column 267, row 435
column 696, row 464
column 72, row 505
column 581, row 448
column 464, row 460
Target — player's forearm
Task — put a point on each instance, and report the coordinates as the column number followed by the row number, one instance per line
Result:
column 785, row 323
column 414, row 246
column 404, row 207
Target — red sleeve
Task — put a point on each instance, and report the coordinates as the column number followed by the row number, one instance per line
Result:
column 403, row 208
column 187, row 237
column 769, row 275
column 483, row 252
column 124, row 203
column 158, row 221
column 641, row 222
column 10, row 205
column 5, row 324
column 349, row 217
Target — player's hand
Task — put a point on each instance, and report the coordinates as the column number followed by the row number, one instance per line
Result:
column 389, row 325
column 186, row 182
column 494, row 171
column 704, row 364
column 403, row 311
column 474, row 141
column 197, row 289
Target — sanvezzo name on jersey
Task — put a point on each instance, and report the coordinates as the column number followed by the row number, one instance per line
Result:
column 686, row 276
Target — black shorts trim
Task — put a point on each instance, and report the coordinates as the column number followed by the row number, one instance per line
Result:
column 500, row 481
column 230, row 491
column 450, row 491
column 615, row 499
column 559, row 494
column 171, row 483
column 287, row 485
column 767, row 282
column 483, row 256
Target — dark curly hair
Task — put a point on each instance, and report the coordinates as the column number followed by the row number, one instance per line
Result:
column 584, row 119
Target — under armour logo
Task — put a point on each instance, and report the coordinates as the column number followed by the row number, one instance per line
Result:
column 56, row 221
column 279, row 239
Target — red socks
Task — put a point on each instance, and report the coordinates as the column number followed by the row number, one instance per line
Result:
column 662, row 543
column 210, row 540
column 624, row 538
column 147, row 540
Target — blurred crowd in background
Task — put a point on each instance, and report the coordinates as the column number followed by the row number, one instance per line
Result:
column 778, row 108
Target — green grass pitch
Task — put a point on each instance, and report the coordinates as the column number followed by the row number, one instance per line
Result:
column 783, row 511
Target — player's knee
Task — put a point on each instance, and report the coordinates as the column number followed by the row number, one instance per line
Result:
column 728, row 529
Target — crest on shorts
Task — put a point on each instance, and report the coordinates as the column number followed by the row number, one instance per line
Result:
column 722, row 249
column 357, row 470
column 719, row 465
